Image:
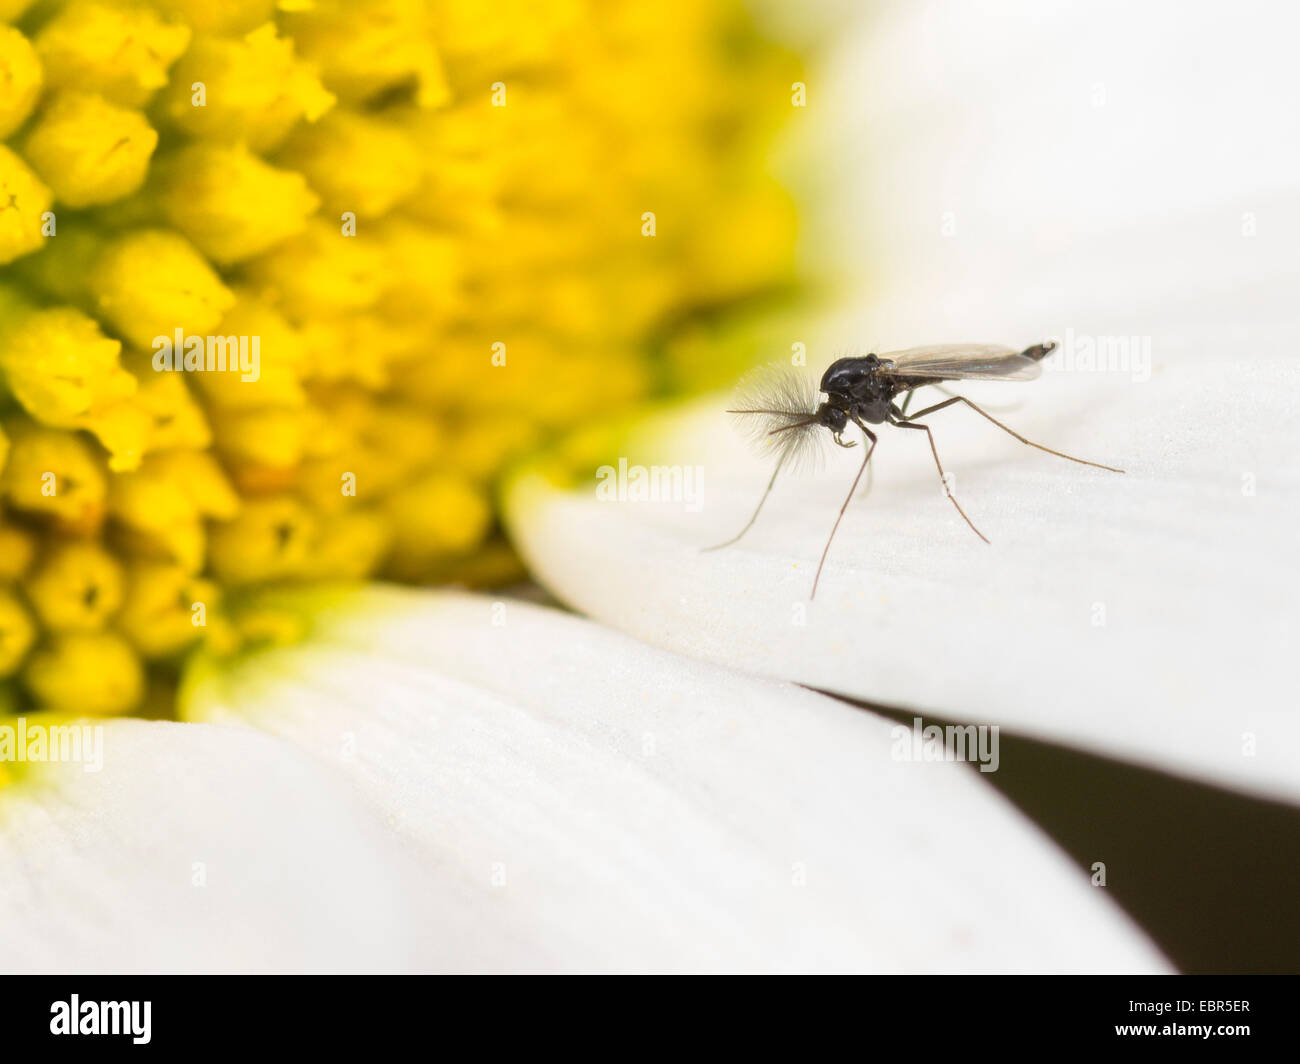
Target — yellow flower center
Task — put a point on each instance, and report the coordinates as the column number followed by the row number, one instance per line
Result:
column 286, row 286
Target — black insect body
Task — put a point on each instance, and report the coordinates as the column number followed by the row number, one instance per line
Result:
column 857, row 385
column 777, row 407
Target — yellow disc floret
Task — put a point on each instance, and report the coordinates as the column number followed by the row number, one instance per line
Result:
column 88, row 150
column 286, row 286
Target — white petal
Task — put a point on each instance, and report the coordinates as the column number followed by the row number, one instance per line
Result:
column 198, row 849
column 1065, row 172
column 995, row 177
column 601, row 805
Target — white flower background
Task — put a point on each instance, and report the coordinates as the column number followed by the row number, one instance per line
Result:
column 439, row 781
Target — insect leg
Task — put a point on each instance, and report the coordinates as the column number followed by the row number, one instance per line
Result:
column 1011, row 432
column 825, row 550
column 939, row 465
column 750, row 524
column 944, row 391
column 871, row 470
column 907, row 399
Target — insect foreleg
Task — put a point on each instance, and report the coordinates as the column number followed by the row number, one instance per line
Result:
column 750, row 523
column 865, row 459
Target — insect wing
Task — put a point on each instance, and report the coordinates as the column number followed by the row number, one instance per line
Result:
column 956, row 362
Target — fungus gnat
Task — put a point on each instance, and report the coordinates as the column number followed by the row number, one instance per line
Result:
column 777, row 406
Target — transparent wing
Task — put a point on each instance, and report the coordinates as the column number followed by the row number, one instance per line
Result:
column 774, row 407
column 965, row 362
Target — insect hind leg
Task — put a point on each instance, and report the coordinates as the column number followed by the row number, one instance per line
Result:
column 1009, row 431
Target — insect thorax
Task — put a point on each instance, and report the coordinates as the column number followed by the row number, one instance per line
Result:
column 858, row 386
